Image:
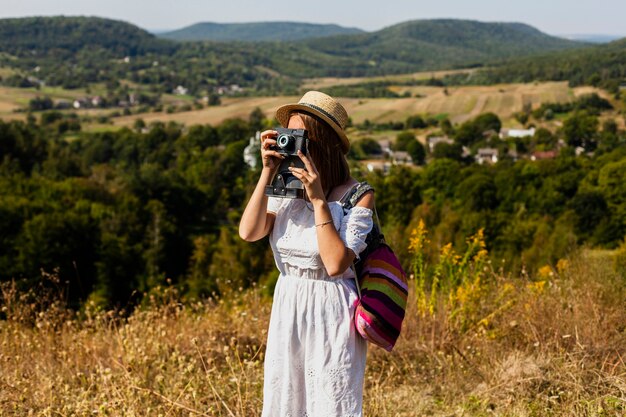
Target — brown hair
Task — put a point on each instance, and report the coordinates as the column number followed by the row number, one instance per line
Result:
column 325, row 151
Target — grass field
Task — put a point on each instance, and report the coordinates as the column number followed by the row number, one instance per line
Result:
column 459, row 103
column 320, row 83
column 552, row 345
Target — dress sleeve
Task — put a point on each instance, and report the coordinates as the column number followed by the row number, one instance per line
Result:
column 355, row 226
column 274, row 204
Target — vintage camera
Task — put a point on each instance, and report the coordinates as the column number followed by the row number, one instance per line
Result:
column 288, row 143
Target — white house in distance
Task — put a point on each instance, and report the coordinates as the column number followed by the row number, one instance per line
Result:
column 251, row 152
column 516, row 133
column 435, row 140
column 180, row 90
column 488, row 155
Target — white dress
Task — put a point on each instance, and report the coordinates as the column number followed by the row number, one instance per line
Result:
column 315, row 359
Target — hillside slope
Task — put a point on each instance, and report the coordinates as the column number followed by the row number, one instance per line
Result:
column 256, row 31
column 600, row 65
column 47, row 35
column 441, row 44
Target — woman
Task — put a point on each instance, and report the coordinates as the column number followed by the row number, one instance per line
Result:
column 315, row 359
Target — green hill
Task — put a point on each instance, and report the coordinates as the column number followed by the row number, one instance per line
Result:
column 440, row 44
column 256, row 31
column 76, row 51
column 33, row 36
column 601, row 65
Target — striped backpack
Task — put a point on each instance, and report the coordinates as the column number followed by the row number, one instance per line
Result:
column 381, row 282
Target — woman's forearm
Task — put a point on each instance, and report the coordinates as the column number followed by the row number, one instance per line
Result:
column 335, row 256
column 255, row 222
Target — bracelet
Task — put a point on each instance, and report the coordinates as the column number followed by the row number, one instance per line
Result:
column 323, row 223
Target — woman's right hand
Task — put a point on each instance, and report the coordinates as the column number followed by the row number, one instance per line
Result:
column 271, row 158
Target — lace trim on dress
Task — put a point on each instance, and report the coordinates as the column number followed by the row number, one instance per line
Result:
column 355, row 226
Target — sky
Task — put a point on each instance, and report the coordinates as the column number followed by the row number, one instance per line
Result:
column 556, row 17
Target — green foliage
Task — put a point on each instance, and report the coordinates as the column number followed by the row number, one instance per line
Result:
column 598, row 65
column 256, row 31
column 403, row 140
column 133, row 209
column 72, row 51
column 473, row 130
column 580, row 129
column 364, row 148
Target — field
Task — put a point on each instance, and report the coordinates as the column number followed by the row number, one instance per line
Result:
column 550, row 345
column 458, row 103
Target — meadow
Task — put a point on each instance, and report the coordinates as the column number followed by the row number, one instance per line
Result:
column 457, row 103
column 476, row 342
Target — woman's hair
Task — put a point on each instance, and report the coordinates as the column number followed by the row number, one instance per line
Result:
column 325, row 151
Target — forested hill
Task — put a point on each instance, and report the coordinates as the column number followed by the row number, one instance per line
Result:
column 34, row 36
column 256, row 31
column 72, row 51
column 429, row 44
column 600, row 65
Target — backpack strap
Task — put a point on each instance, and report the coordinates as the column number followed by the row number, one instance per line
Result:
column 352, row 197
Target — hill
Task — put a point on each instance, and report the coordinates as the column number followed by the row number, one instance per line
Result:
column 440, row 44
column 42, row 36
column 256, row 31
column 78, row 51
column 600, row 65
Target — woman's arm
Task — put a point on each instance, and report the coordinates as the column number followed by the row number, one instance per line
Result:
column 335, row 255
column 333, row 251
column 256, row 222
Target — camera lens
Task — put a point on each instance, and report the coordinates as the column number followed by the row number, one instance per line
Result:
column 283, row 141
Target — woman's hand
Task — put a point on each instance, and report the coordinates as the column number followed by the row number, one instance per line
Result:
column 310, row 178
column 270, row 158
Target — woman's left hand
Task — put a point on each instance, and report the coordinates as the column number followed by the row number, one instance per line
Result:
column 310, row 178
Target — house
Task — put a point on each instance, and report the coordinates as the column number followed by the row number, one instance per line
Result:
column 180, row 91
column 400, row 158
column 251, row 152
column 229, row 89
column 539, row 155
column 82, row 103
column 97, row 101
column 516, row 133
column 63, row 104
column 435, row 140
column 378, row 166
column 486, row 155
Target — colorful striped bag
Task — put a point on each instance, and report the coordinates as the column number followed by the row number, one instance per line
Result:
column 382, row 284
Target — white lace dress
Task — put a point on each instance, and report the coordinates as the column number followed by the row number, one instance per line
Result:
column 315, row 360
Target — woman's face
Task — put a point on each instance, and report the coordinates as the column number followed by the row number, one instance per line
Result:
column 296, row 122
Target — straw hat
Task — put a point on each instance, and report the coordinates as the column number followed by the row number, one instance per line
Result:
column 323, row 106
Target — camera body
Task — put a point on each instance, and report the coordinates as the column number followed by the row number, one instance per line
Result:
column 288, row 143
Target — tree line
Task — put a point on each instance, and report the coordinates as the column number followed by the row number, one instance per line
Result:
column 120, row 213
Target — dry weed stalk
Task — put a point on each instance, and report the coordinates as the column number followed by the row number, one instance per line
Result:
column 483, row 344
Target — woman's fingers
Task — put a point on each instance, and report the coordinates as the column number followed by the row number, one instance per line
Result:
column 267, row 143
column 310, row 166
column 300, row 173
column 268, row 134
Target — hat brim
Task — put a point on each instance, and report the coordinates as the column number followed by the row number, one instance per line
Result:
column 283, row 112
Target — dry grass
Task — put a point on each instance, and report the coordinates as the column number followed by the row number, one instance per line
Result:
column 549, row 347
column 325, row 82
column 459, row 103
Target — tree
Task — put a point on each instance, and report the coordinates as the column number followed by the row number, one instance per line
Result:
column 256, row 119
column 580, row 129
column 417, row 152
column 403, row 140
column 448, row 150
column 414, row 122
